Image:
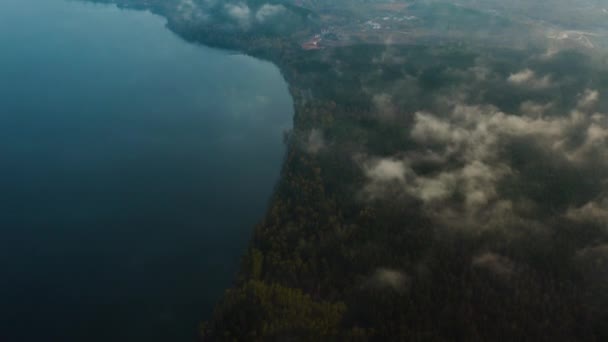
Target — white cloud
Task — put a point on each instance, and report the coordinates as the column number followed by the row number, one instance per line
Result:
column 589, row 98
column 315, row 142
column 239, row 12
column 528, row 77
column 467, row 150
column 593, row 212
column 494, row 263
column 384, row 170
column 385, row 278
column 521, row 77
column 385, row 175
column 385, row 108
column 190, row 11
column 268, row 11
column 429, row 129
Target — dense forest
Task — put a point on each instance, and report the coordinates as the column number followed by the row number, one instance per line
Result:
column 426, row 201
column 439, row 191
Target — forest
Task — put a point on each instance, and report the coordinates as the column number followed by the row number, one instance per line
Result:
column 425, row 201
column 446, row 191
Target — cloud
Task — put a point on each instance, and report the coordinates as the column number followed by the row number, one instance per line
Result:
column 386, row 176
column 476, row 166
column 239, row 12
column 521, row 77
column 386, row 278
column 430, row 129
column 190, row 11
column 268, row 11
column 494, row 263
column 589, row 98
column 590, row 212
column 383, row 170
column 528, row 78
column 385, row 108
column 243, row 14
column 315, row 142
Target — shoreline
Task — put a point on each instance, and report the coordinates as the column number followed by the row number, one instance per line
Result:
column 423, row 187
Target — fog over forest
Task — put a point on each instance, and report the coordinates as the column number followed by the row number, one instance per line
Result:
column 446, row 178
column 447, row 175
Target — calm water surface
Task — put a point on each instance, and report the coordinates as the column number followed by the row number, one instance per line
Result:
column 133, row 166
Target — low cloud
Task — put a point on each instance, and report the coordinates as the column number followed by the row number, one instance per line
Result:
column 385, row 175
column 464, row 159
column 240, row 12
column 385, row 108
column 390, row 279
column 191, row 11
column 268, row 11
column 494, row 263
column 521, row 77
column 590, row 212
column 529, row 78
column 383, row 170
column 589, row 98
column 315, row 141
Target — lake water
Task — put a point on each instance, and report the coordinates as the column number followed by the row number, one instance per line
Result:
column 133, row 167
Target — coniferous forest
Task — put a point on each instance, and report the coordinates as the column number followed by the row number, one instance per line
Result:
column 446, row 178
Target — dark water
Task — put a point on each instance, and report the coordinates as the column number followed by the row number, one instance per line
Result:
column 133, row 166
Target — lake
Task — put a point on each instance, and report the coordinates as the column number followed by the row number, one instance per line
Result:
column 133, row 167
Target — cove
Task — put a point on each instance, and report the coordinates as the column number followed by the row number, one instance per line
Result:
column 133, row 167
